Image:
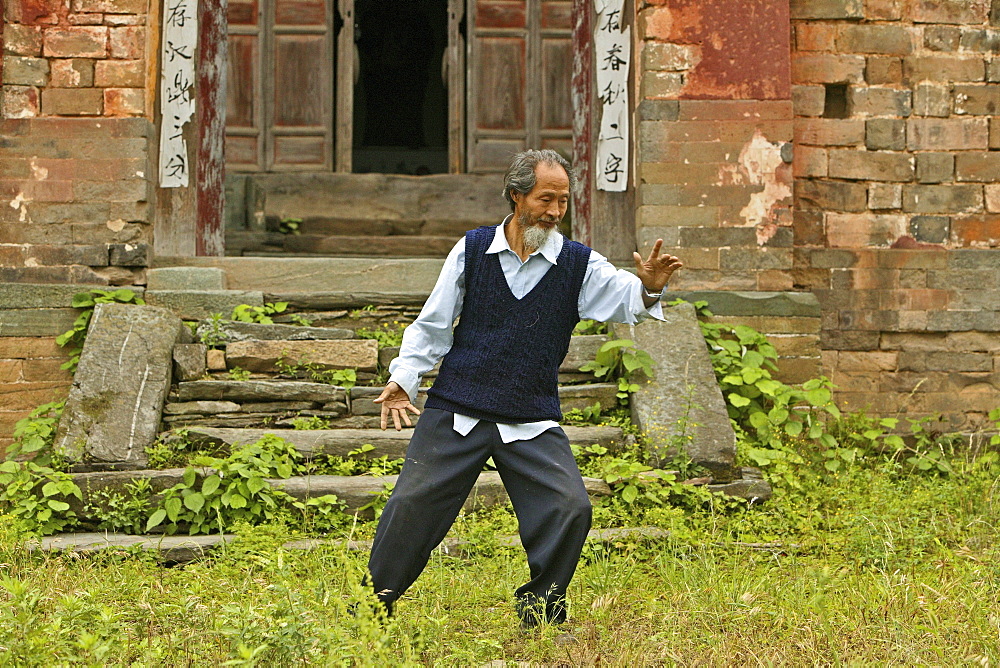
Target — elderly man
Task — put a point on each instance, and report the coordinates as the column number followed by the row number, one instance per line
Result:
column 519, row 287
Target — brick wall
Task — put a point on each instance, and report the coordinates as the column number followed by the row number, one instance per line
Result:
column 897, row 216
column 29, row 376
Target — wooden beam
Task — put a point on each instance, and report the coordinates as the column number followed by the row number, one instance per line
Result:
column 210, row 169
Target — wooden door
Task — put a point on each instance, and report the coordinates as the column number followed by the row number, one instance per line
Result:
column 280, row 105
column 520, row 68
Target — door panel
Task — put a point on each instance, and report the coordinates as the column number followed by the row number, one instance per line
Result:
column 302, row 94
column 244, row 131
column 520, row 70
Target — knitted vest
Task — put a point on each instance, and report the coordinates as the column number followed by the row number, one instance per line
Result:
column 503, row 365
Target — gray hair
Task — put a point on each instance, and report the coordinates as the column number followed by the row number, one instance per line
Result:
column 520, row 176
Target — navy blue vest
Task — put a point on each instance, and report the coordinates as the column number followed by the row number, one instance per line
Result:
column 504, row 363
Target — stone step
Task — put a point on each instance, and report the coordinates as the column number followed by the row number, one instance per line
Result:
column 276, row 403
column 314, row 245
column 333, row 226
column 354, row 491
column 266, row 356
column 231, row 330
column 389, row 443
column 183, row 549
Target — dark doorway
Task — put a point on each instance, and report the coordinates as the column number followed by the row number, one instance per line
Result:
column 400, row 99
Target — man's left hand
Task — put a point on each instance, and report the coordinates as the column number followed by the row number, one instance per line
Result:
column 656, row 270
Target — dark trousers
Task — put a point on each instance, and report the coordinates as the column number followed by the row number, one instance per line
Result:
column 545, row 488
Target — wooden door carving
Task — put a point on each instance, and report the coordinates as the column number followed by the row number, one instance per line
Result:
column 519, row 80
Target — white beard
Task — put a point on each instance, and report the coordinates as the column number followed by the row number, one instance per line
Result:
column 535, row 236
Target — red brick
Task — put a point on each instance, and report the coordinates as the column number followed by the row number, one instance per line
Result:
column 128, row 42
column 884, row 70
column 72, row 101
column 815, row 36
column 885, row 196
column 995, row 133
column 28, row 396
column 808, row 100
column 827, row 68
column 86, row 19
column 808, row 228
column 870, row 165
column 29, row 347
column 885, row 39
column 72, row 73
column 831, row 195
column 977, row 100
column 950, row 11
column 829, row 132
column 809, row 161
column 45, row 371
column 844, row 230
column 884, row 10
column 19, row 102
column 35, row 12
column 827, row 9
column 76, row 42
column 982, row 230
column 22, row 40
column 656, row 23
column 992, row 192
column 10, row 371
column 947, row 134
column 110, row 6
column 119, row 73
column 983, row 167
column 944, row 68
column 39, row 191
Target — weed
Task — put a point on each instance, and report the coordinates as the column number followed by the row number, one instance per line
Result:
column 258, row 314
column 77, row 334
column 387, row 335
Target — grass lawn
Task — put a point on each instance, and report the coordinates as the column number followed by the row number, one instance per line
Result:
column 876, row 564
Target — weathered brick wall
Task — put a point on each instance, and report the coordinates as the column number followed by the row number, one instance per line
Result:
column 897, row 198
column 75, row 142
column 29, row 376
column 714, row 126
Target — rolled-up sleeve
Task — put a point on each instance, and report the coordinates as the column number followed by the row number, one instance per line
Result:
column 610, row 294
column 429, row 337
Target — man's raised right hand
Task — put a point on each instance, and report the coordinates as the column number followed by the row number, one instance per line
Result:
column 396, row 402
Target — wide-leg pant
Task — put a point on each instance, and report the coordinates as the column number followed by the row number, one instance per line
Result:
column 441, row 466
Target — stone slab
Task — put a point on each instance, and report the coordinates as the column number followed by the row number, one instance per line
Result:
column 36, row 322
column 726, row 302
column 113, row 410
column 263, row 356
column 200, row 304
column 43, row 295
column 186, row 278
column 584, row 396
column 201, row 408
column 190, row 361
column 390, row 443
column 362, row 400
column 258, row 391
column 582, row 349
column 315, row 275
column 232, row 330
column 357, row 491
column 683, row 405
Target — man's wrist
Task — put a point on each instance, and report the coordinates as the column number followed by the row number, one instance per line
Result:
column 646, row 292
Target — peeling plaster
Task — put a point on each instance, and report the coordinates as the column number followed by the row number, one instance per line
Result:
column 37, row 171
column 20, row 202
column 760, row 163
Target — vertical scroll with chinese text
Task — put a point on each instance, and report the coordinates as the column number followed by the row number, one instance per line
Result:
column 612, row 54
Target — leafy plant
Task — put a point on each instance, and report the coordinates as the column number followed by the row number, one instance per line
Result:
column 387, row 335
column 355, row 463
column 300, row 319
column 258, row 314
column 616, row 361
column 312, row 422
column 213, row 336
column 588, row 327
column 586, row 415
column 236, row 373
column 232, row 489
column 35, row 491
column 346, row 378
column 290, row 226
column 77, row 334
column 121, row 511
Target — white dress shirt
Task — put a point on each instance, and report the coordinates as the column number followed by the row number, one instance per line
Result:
column 607, row 294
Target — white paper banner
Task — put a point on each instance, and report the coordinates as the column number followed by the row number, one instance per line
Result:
column 180, row 39
column 613, row 55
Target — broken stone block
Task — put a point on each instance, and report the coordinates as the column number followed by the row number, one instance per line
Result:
column 189, row 361
column 682, row 407
column 198, row 304
column 200, row 408
column 216, row 360
column 114, row 406
column 232, row 330
column 360, row 354
column 249, row 391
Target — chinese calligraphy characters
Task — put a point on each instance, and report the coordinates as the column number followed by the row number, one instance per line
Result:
column 180, row 39
column 612, row 45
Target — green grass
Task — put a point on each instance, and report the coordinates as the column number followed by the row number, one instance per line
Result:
column 874, row 565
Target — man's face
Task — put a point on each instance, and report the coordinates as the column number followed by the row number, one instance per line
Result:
column 545, row 205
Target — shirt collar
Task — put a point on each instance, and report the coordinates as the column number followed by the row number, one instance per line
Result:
column 549, row 250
